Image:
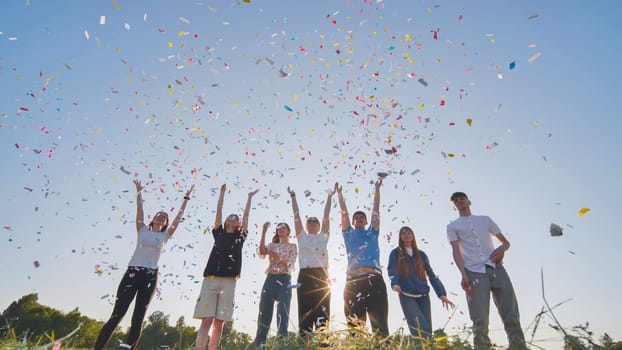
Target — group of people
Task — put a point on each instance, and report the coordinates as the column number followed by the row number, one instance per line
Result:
column 365, row 293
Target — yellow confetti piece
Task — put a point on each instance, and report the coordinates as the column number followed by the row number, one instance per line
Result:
column 583, row 211
column 129, row 79
column 469, row 121
column 118, row 49
column 421, row 106
column 356, row 190
column 408, row 37
column 450, row 155
column 169, row 44
column 115, row 4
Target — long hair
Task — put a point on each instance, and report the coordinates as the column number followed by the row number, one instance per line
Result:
column 276, row 238
column 150, row 226
column 404, row 267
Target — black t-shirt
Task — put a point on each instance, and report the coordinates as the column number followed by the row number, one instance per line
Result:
column 225, row 260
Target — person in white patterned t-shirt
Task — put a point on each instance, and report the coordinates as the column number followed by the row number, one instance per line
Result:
column 277, row 287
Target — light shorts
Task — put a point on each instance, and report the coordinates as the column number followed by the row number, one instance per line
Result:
column 216, row 298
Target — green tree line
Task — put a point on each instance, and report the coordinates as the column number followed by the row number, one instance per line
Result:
column 29, row 323
column 26, row 324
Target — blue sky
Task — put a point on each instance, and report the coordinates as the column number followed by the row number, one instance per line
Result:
column 257, row 95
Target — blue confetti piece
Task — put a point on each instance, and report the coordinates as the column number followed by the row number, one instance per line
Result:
column 512, row 65
column 288, row 108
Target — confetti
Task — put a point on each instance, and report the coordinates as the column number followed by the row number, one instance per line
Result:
column 583, row 211
column 36, row 263
column 555, row 230
column 534, row 57
column 102, row 20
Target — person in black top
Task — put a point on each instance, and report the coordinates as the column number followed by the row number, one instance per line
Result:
column 215, row 302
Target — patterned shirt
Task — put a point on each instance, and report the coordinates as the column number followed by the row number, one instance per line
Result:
column 282, row 258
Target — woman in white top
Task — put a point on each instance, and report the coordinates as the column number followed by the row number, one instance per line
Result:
column 141, row 277
column 277, row 286
column 313, row 284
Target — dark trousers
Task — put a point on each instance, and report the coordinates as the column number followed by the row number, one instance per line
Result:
column 139, row 283
column 367, row 295
column 313, row 299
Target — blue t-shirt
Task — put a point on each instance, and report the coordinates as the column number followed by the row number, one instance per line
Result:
column 362, row 247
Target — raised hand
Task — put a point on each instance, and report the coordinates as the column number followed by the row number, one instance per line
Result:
column 139, row 186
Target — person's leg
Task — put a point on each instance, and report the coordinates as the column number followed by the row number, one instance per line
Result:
column 203, row 333
column 479, row 308
column 426, row 310
column 125, row 294
column 414, row 316
column 353, row 303
column 378, row 305
column 284, row 298
column 216, row 334
column 505, row 300
column 322, row 303
column 305, row 304
column 266, row 308
column 143, row 297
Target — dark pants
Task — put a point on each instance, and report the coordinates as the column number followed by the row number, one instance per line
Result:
column 366, row 295
column 139, row 283
column 275, row 288
column 313, row 299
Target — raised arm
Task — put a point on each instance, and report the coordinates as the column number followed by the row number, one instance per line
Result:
column 140, row 214
column 221, row 200
column 247, row 210
column 263, row 250
column 326, row 218
column 173, row 226
column 297, row 223
column 375, row 214
column 459, row 260
column 345, row 219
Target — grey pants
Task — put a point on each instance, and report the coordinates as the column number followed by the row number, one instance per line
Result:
column 497, row 281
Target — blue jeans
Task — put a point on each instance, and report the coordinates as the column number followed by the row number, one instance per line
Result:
column 418, row 314
column 275, row 288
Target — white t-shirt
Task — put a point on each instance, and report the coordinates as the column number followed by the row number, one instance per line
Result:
column 148, row 248
column 475, row 234
column 313, row 250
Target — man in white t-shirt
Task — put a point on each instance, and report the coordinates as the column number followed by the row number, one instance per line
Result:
column 481, row 267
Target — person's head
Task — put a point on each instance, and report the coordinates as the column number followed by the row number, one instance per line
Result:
column 281, row 234
column 407, row 238
column 407, row 241
column 460, row 200
column 232, row 223
column 313, row 225
column 359, row 219
column 159, row 222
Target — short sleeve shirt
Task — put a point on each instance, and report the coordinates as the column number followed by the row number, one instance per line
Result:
column 225, row 259
column 475, row 235
column 149, row 245
column 282, row 258
column 362, row 248
column 313, row 250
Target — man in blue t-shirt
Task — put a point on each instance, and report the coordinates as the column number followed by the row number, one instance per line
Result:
column 365, row 293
